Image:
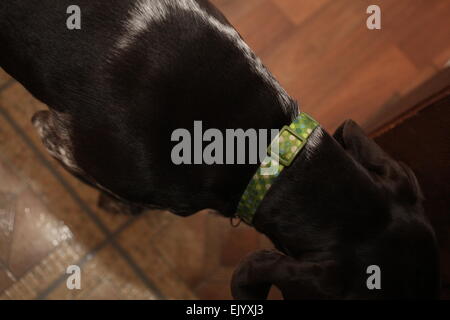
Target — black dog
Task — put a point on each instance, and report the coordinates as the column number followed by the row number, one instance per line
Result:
column 139, row 69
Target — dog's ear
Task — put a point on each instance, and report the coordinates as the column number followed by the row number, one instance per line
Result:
column 363, row 149
column 256, row 274
column 394, row 175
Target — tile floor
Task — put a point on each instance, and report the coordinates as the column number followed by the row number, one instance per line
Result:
column 319, row 50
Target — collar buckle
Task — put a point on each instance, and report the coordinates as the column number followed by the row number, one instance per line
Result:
column 288, row 143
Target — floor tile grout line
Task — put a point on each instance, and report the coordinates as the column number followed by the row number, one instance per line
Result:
column 137, row 270
column 90, row 255
column 80, row 202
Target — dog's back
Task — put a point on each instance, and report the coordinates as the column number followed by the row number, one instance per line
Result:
column 136, row 71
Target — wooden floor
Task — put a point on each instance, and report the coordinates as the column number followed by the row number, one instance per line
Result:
column 322, row 53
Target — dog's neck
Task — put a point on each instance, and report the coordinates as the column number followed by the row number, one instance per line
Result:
column 315, row 194
column 230, row 181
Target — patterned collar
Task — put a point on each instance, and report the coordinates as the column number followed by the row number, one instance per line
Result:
column 281, row 153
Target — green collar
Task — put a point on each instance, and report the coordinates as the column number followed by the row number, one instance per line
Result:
column 290, row 141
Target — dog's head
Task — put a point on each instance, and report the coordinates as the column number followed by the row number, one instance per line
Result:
column 344, row 207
